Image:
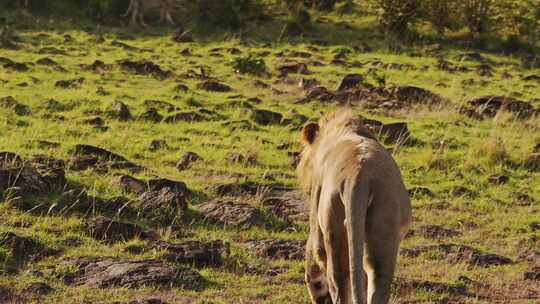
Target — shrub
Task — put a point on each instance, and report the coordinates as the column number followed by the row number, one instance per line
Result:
column 227, row 14
column 396, row 16
column 249, row 65
column 477, row 14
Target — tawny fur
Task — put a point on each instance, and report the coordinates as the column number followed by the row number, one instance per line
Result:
column 359, row 211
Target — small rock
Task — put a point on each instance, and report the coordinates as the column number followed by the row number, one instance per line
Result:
column 80, row 163
column 498, row 179
column 187, row 159
column 350, row 81
column 185, row 116
column 119, row 110
column 145, row 67
column 157, row 144
column 213, row 86
column 112, row 231
column 288, row 205
column 293, row 68
column 37, row 290
column 24, row 249
column 266, row 117
column 278, row 249
column 130, row 184
column 152, row 115
column 532, row 163
column 230, row 213
column 237, row 158
column 157, row 203
column 193, row 252
column 69, row 84
column 111, row 273
column 436, row 232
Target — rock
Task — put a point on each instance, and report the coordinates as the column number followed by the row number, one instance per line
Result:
column 532, row 163
column 293, row 118
column 532, row 78
column 461, row 191
column 306, row 83
column 532, row 274
column 96, row 66
column 407, row 286
column 237, row 158
column 231, row 214
column 16, row 67
column 181, row 36
column 395, row 133
column 489, row 106
column 185, row 116
column 266, row 117
column 293, row 68
column 288, row 205
column 23, row 249
column 46, row 61
column 319, row 93
column 25, row 179
column 472, row 56
column 278, row 249
column 484, row 70
column 157, row 203
column 145, row 67
column 37, row 289
column 160, row 105
column 350, row 81
column 186, row 160
column 116, row 160
column 213, row 86
column 130, row 184
column 152, row 115
column 69, row 84
column 10, row 159
column 80, row 163
column 455, row 253
column 410, row 95
column 437, row 232
column 111, row 231
column 194, row 252
column 119, row 110
column 158, row 144
column 112, row 273
column 498, row 179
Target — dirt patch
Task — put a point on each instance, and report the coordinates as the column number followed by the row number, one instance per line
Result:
column 406, row 286
column 111, row 273
column 278, row 249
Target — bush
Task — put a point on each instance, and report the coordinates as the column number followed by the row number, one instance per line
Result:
column 396, row 16
column 249, row 65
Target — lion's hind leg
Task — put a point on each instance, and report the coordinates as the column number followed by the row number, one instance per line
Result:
column 382, row 243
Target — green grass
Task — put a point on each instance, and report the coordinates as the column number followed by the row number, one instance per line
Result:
column 491, row 219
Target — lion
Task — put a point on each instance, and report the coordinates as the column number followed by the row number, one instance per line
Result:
column 137, row 8
column 359, row 211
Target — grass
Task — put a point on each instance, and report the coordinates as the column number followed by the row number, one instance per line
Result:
column 453, row 151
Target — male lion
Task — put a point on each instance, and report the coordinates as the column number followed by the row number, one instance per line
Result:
column 137, row 8
column 359, row 211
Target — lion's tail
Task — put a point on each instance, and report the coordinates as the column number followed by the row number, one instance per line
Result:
column 357, row 194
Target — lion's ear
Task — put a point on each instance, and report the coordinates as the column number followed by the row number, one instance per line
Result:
column 309, row 133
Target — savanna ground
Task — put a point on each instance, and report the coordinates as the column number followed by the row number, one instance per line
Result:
column 474, row 178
